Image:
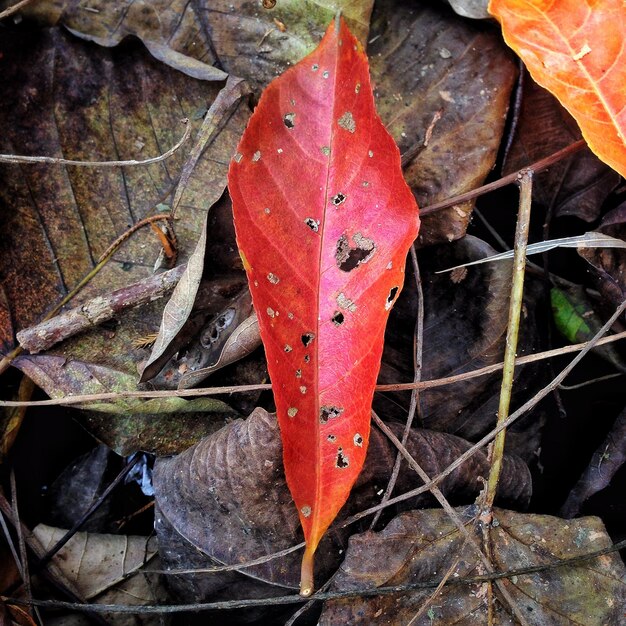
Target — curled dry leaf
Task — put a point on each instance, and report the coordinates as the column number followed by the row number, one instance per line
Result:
column 442, row 88
column 226, row 501
column 420, row 547
column 324, row 249
column 575, row 186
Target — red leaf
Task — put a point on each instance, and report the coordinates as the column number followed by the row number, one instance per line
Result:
column 576, row 50
column 324, row 221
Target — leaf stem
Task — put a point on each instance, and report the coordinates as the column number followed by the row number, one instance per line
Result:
column 306, row 572
column 515, row 309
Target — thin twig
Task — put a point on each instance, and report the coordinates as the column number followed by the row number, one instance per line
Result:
column 515, row 311
column 87, row 514
column 329, row 595
column 31, row 160
column 20, row 538
column 14, row 9
column 536, row 167
column 417, row 376
column 452, row 514
column 540, row 395
column 209, row 391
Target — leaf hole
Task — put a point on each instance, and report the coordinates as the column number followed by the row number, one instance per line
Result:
column 292, row 411
column 298, row 373
column 273, row 278
column 331, row 438
column 289, row 120
column 348, row 258
column 338, row 199
column 342, row 460
column 338, row 318
column 307, row 358
column 315, row 67
column 391, row 297
column 287, row 348
column 256, row 156
column 314, row 225
column 328, row 412
column 302, row 389
column 358, row 440
column 307, row 338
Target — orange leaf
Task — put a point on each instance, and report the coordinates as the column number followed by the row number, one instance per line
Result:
column 575, row 49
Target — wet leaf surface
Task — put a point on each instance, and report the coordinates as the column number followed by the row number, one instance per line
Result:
column 420, row 546
column 228, row 498
column 575, row 186
column 444, row 82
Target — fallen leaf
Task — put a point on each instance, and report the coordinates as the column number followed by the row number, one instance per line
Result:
column 575, row 50
column 203, row 38
column 608, row 266
column 226, row 501
column 603, row 465
column 577, row 185
column 163, row 425
column 435, row 73
column 576, row 319
column 420, row 546
column 317, row 246
column 107, row 569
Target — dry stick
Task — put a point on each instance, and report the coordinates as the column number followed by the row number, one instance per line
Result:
column 14, row 9
column 452, row 514
column 515, row 310
column 5, row 362
column 20, row 539
column 97, row 310
column 540, row 395
column 209, row 391
column 417, row 375
column 151, row 609
column 32, row 160
column 536, row 167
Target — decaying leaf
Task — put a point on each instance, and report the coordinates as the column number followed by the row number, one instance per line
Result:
column 155, row 425
column 609, row 266
column 318, row 246
column 226, row 501
column 420, row 546
column 575, row 49
column 442, row 88
column 106, row 569
column 208, row 38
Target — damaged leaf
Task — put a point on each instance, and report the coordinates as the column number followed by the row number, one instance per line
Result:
column 420, row 546
column 318, row 244
column 227, row 497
